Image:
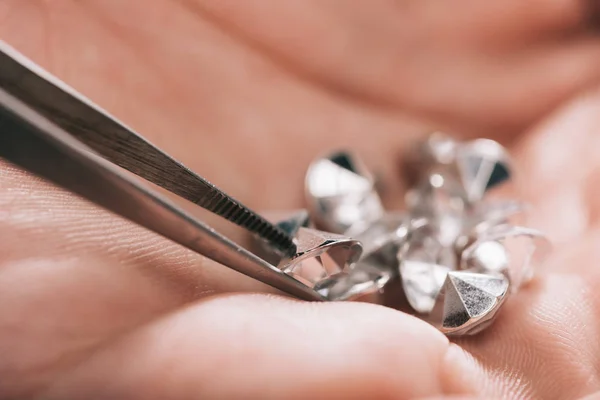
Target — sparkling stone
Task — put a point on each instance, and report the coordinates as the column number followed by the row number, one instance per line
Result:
column 422, row 283
column 441, row 148
column 341, row 194
column 437, row 149
column 482, row 164
column 320, row 255
column 423, row 264
column 468, row 301
column 526, row 249
column 365, row 280
column 486, row 215
column 440, row 200
column 391, row 229
column 486, row 257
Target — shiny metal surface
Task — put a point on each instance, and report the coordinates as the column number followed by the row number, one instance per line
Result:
column 31, row 141
column 121, row 145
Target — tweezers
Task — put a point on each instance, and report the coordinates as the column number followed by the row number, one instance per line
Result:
column 56, row 133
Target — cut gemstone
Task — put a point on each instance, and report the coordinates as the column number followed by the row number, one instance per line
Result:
column 422, row 282
column 486, row 215
column 482, row 164
column 468, row 300
column 341, row 194
column 487, row 256
column 423, row 264
column 365, row 279
column 437, row 149
column 440, row 200
column 392, row 228
column 525, row 248
column 320, row 255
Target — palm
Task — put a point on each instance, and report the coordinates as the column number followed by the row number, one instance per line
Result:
column 93, row 306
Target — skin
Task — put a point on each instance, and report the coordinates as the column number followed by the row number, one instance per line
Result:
column 94, row 307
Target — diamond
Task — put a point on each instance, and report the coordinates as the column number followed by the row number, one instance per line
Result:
column 440, row 200
column 364, row 280
column 526, row 249
column 437, row 149
column 487, row 256
column 486, row 215
column 424, row 263
column 391, row 229
column 341, row 194
column 482, row 165
column 422, row 283
column 468, row 300
column 320, row 255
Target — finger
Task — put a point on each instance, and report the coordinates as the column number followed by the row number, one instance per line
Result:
column 559, row 164
column 545, row 337
column 72, row 276
column 39, row 221
column 209, row 101
column 593, row 396
column 411, row 56
column 265, row 347
column 507, row 88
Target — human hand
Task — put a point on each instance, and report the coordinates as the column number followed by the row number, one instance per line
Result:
column 92, row 306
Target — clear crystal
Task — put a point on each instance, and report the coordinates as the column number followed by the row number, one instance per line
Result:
column 482, row 165
column 441, row 147
column 440, row 201
column 341, row 194
column 391, row 228
column 363, row 280
column 486, row 215
column 422, row 283
column 487, row 256
column 467, row 300
column 424, row 263
column 526, row 249
column 320, row 255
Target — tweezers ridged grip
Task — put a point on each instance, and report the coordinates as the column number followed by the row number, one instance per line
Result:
column 122, row 146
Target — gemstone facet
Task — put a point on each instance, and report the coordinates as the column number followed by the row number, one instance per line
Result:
column 320, row 255
column 453, row 255
column 467, row 300
column 341, row 194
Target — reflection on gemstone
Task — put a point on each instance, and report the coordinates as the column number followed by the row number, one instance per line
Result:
column 320, row 255
column 391, row 228
column 454, row 254
column 482, row 164
column 485, row 257
column 341, row 194
column 364, row 280
column 486, row 215
column 468, row 299
column 526, row 249
column 422, row 282
column 440, row 201
column 424, row 263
